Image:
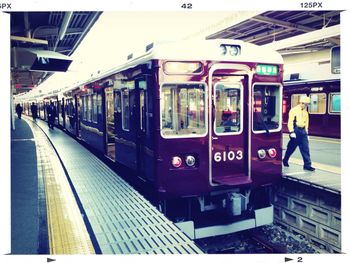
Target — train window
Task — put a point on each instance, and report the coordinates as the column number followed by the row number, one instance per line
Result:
column 117, row 102
column 94, row 108
column 334, row 103
column 142, row 110
column 125, row 110
column 317, row 103
column 109, row 107
column 89, row 107
column 228, row 117
column 266, row 108
column 99, row 103
column 84, row 108
column 183, row 110
column 296, row 99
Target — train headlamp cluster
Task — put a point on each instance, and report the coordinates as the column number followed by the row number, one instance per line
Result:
column 271, row 152
column 261, row 154
column 231, row 50
column 190, row 161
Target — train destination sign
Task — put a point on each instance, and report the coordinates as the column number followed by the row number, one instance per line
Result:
column 264, row 69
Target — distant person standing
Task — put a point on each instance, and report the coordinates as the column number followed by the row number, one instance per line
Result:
column 298, row 125
column 51, row 114
column 34, row 110
column 19, row 110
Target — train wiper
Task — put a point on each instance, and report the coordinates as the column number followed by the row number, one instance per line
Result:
column 264, row 124
column 266, row 129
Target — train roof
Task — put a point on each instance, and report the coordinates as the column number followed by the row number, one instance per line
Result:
column 211, row 50
column 194, row 50
column 191, row 50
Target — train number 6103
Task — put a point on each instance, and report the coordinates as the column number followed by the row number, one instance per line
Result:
column 228, row 156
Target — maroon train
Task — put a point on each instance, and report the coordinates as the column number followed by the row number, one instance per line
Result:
column 201, row 121
column 324, row 109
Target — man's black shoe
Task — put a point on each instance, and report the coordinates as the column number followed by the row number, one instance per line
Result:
column 285, row 163
column 309, row 168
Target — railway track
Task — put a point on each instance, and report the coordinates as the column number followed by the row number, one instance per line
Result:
column 265, row 240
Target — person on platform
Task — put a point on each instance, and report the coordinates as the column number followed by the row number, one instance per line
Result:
column 51, row 114
column 298, row 125
column 34, row 110
column 19, row 110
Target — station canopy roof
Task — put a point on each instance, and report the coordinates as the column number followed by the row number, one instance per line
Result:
column 62, row 32
column 45, row 38
column 273, row 26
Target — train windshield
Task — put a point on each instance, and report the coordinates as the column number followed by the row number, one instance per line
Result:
column 227, row 108
column 183, row 110
column 266, row 111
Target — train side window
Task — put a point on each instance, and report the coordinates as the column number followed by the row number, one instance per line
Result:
column 183, row 110
column 228, row 102
column 267, row 108
column 296, row 99
column 94, row 108
column 142, row 85
column 89, row 107
column 334, row 103
column 99, row 103
column 125, row 110
column 317, row 103
column 117, row 102
column 142, row 110
column 85, row 108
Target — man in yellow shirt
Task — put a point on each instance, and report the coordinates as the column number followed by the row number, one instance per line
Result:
column 298, row 125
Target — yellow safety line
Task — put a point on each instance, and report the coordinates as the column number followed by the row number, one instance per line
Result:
column 66, row 229
column 321, row 166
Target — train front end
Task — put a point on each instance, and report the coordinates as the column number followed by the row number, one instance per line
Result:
column 220, row 139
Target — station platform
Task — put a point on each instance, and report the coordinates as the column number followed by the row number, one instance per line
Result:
column 325, row 155
column 67, row 201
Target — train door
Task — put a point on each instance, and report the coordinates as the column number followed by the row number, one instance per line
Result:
column 78, row 114
column 229, row 133
column 110, row 133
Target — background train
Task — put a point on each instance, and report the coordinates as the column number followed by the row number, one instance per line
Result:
column 324, row 109
column 202, row 125
column 316, row 80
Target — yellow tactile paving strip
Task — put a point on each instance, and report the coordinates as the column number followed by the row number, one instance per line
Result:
column 66, row 229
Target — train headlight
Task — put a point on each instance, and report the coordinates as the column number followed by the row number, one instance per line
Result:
column 261, row 154
column 272, row 152
column 223, row 49
column 231, row 50
column 176, row 161
column 190, row 160
column 234, row 50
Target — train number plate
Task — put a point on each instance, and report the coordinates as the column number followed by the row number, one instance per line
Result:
column 228, row 156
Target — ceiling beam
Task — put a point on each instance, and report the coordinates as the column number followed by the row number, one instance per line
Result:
column 31, row 40
column 53, row 32
column 284, row 24
column 325, row 33
column 267, row 34
column 314, row 18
